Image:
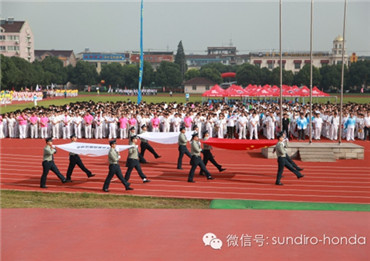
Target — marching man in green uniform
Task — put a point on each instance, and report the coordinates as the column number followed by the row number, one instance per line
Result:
column 208, row 156
column 133, row 161
column 114, row 168
column 48, row 163
column 182, row 147
column 144, row 145
column 75, row 159
column 283, row 162
column 196, row 160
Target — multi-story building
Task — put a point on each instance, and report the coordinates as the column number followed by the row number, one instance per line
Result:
column 155, row 58
column 294, row 61
column 225, row 55
column 16, row 39
column 101, row 58
column 66, row 56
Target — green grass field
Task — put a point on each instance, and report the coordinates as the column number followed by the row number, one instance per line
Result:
column 179, row 98
column 27, row 199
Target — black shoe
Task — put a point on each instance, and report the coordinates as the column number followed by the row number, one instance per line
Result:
column 143, row 162
column 300, row 169
column 146, row 180
column 91, row 175
column 191, row 181
column 221, row 169
column 179, row 168
column 210, row 178
column 105, row 190
column 279, row 184
column 67, row 181
column 129, row 188
column 43, row 187
column 158, row 157
column 64, row 181
column 299, row 177
column 201, row 173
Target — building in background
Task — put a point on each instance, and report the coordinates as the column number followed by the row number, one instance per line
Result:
column 225, row 55
column 101, row 58
column 198, row 85
column 16, row 39
column 154, row 58
column 294, row 61
column 66, row 56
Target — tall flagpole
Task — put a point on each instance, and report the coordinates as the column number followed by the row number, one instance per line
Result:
column 141, row 53
column 311, row 40
column 281, row 70
column 342, row 77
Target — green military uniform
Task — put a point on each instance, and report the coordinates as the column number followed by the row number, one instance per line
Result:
column 48, row 164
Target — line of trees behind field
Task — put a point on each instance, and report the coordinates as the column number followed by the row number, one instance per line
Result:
column 17, row 72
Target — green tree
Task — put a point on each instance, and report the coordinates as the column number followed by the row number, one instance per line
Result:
column 113, row 74
column 131, row 73
column 11, row 76
column 53, row 67
column 331, row 77
column 303, row 76
column 192, row 73
column 265, row 76
column 28, row 75
column 148, row 74
column 359, row 74
column 221, row 68
column 168, row 75
column 211, row 74
column 180, row 59
column 288, row 77
column 248, row 74
column 84, row 74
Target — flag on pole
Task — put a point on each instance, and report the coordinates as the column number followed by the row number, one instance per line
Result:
column 141, row 54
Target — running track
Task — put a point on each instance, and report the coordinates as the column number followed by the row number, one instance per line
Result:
column 248, row 176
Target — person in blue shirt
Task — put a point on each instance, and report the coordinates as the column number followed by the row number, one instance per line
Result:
column 350, row 125
column 302, row 123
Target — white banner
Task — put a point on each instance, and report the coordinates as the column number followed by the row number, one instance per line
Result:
column 164, row 137
column 90, row 149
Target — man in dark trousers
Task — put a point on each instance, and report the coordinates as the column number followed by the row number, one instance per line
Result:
column 144, row 145
column 207, row 155
column 48, row 163
column 75, row 159
column 182, row 147
column 196, row 160
column 283, row 162
column 133, row 161
column 285, row 123
column 114, row 168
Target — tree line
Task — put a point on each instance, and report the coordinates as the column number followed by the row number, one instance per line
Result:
column 17, row 72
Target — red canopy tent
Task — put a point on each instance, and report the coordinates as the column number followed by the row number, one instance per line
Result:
column 317, row 93
column 215, row 91
column 303, row 92
column 235, row 91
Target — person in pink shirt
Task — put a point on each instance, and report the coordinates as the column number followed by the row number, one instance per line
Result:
column 133, row 122
column 188, row 121
column 66, row 126
column 88, row 119
column 44, row 126
column 123, row 122
column 33, row 125
column 22, row 121
column 155, row 123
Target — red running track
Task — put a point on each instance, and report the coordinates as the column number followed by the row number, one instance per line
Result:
column 248, row 176
column 144, row 234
